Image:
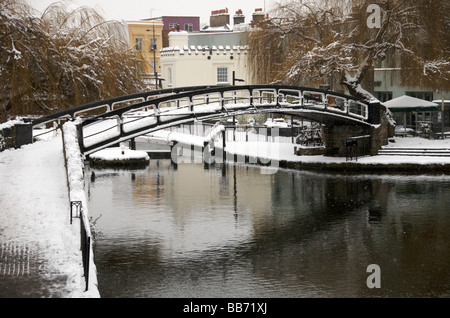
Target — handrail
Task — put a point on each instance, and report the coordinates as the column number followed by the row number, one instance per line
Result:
column 174, row 106
column 217, row 89
column 70, row 113
column 187, row 105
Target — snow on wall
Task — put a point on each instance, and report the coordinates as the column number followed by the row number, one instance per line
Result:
column 75, row 178
column 10, row 124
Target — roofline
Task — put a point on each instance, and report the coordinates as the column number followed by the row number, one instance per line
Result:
column 173, row 16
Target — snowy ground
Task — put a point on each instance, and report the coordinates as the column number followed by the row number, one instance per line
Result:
column 285, row 150
column 37, row 241
column 417, row 142
column 36, row 237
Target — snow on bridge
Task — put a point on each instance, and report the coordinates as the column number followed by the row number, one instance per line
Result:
column 166, row 110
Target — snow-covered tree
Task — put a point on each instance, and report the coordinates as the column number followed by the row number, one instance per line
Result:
column 310, row 42
column 61, row 58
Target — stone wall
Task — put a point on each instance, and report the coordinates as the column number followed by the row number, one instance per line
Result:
column 380, row 131
column 335, row 139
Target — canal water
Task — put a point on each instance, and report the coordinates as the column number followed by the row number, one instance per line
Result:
column 191, row 230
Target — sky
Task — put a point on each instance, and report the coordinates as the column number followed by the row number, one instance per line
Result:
column 141, row 9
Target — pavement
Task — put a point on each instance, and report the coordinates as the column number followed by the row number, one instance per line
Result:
column 39, row 249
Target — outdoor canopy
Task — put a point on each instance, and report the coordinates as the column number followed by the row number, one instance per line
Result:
column 407, row 104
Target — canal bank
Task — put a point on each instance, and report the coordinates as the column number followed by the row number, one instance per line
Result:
column 413, row 155
column 357, row 168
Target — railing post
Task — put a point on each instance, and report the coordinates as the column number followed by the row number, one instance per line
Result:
column 191, row 104
column 120, row 124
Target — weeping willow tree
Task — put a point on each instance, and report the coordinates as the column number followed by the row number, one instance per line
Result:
column 335, row 41
column 60, row 59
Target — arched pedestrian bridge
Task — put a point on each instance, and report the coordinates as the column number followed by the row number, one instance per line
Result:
column 108, row 122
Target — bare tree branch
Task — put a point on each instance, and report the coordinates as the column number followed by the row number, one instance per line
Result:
column 331, row 39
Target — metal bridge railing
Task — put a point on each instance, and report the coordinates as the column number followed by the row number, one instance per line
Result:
column 174, row 109
column 114, row 120
column 110, row 104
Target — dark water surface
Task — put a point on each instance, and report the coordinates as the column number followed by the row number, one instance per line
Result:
column 236, row 231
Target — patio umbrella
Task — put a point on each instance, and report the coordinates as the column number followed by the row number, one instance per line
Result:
column 408, row 104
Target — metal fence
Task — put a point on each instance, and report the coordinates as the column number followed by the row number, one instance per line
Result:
column 85, row 245
column 76, row 211
column 357, row 147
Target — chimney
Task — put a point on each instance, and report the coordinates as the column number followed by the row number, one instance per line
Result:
column 258, row 16
column 219, row 18
column 239, row 17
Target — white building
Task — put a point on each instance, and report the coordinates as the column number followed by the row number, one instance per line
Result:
column 192, row 60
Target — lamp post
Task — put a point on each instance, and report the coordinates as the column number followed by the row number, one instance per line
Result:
column 153, row 47
column 236, row 79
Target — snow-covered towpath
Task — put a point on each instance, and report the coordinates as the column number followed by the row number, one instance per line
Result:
column 39, row 248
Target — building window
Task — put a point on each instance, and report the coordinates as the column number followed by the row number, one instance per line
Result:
column 222, row 75
column 138, row 44
column 189, row 27
column 421, row 95
column 170, row 79
column 153, row 44
column 173, row 26
column 383, row 96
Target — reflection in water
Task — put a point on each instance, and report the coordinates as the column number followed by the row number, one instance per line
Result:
column 229, row 231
